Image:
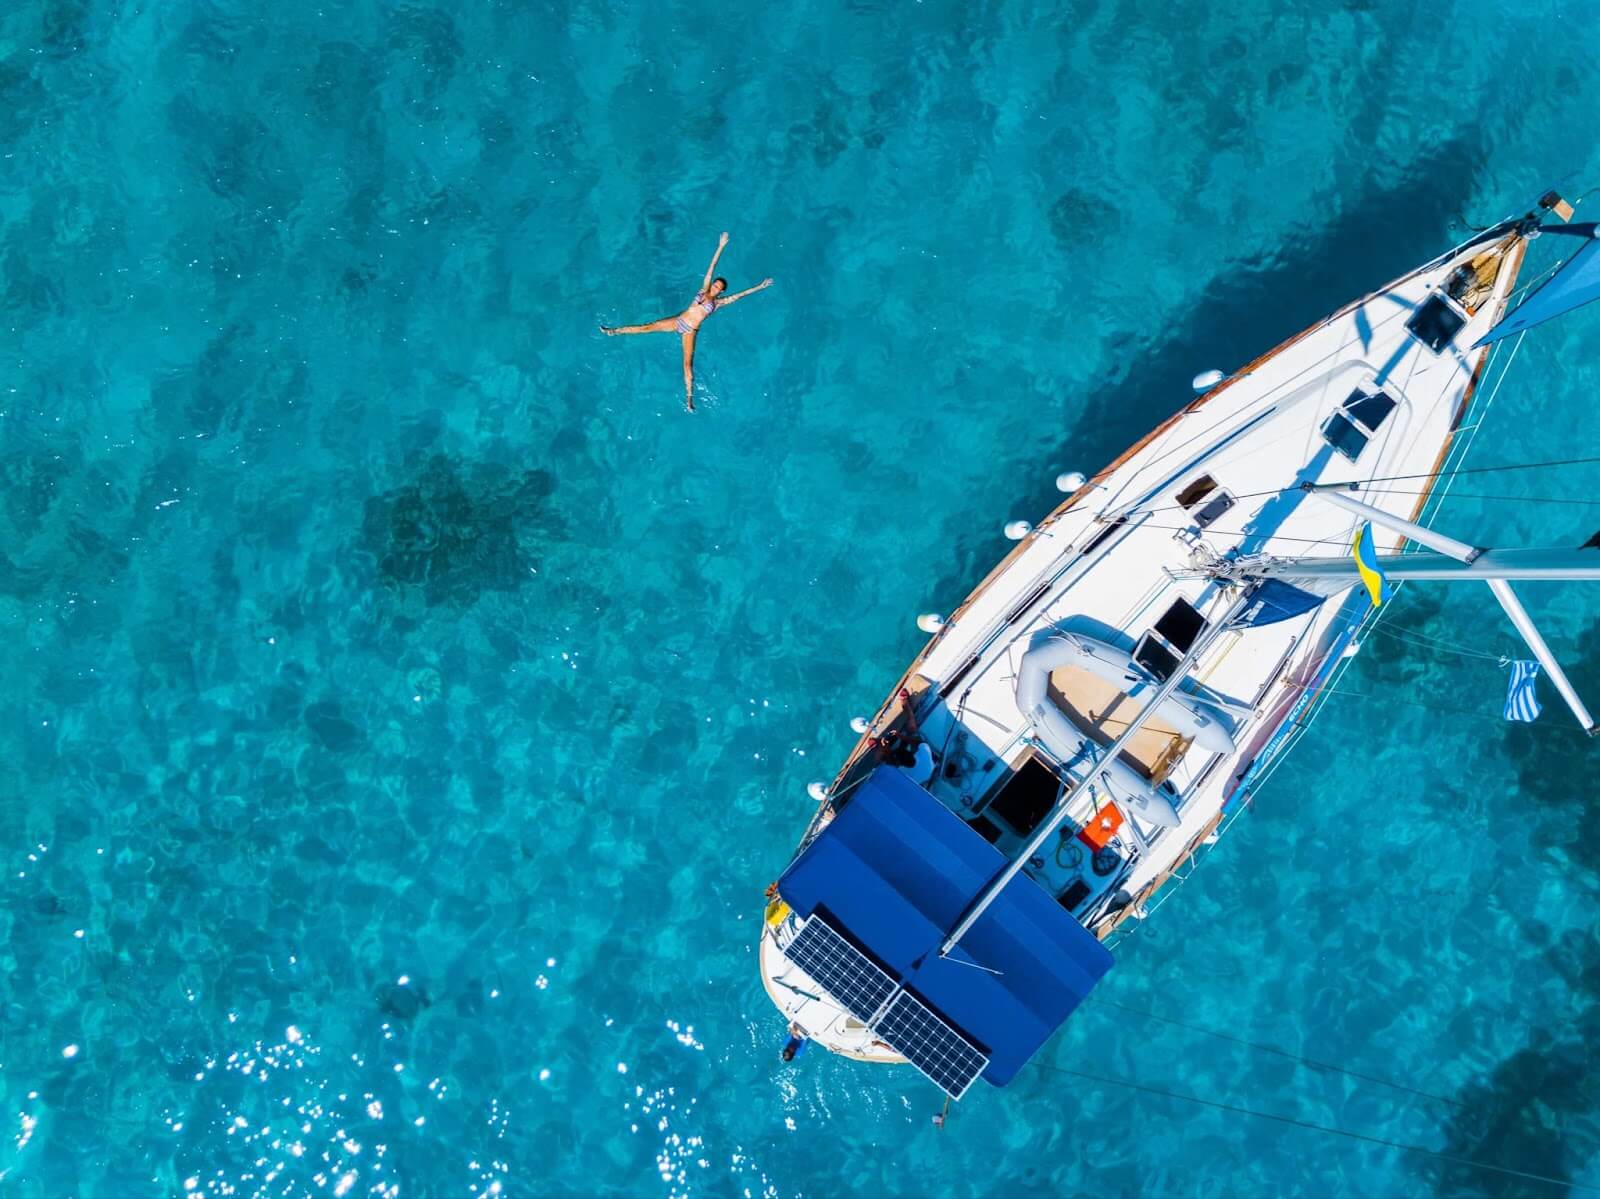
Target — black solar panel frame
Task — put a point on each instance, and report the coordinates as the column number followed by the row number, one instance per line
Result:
column 822, row 964
column 953, row 1069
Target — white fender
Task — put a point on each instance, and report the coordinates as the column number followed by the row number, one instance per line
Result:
column 1181, row 710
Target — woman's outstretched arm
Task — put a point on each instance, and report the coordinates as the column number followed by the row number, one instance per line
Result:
column 711, row 271
column 724, row 301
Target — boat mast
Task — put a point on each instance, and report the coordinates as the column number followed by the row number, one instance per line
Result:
column 1095, row 776
column 1451, row 560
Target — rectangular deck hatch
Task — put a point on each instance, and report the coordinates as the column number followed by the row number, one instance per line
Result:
column 1027, row 797
column 1358, row 418
column 1155, row 657
column 1206, row 515
column 1196, row 491
column 1436, row 322
column 1181, row 624
column 1204, row 500
column 1369, row 411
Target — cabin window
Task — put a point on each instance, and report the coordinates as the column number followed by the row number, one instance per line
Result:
column 1348, row 430
column 1155, row 657
column 1204, row 501
column 1436, row 322
column 1181, row 624
column 1213, row 508
column 1196, row 491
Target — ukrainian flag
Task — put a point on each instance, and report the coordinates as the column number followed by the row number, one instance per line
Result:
column 1366, row 556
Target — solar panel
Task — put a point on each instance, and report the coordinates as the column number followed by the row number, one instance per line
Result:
column 843, row 971
column 949, row 1060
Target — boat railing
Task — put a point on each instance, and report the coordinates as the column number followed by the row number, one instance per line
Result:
column 1317, row 693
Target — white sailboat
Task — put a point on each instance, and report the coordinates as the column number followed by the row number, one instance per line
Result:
column 1094, row 714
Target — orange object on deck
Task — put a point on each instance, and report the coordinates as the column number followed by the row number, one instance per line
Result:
column 1098, row 832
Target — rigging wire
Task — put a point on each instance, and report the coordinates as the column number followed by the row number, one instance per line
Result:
column 1482, row 470
column 1471, row 715
column 1242, row 533
column 1424, row 641
column 1304, row 1061
column 1333, row 1130
column 1435, row 474
column 1469, row 495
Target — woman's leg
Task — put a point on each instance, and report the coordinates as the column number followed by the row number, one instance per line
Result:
column 665, row 325
column 688, row 370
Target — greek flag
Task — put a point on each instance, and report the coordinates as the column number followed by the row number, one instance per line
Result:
column 1522, row 701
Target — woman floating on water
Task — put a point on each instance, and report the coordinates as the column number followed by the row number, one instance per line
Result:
column 707, row 300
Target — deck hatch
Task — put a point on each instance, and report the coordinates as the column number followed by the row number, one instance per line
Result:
column 1436, row 322
column 842, row 970
column 1155, row 657
column 1343, row 436
column 1206, row 515
column 1196, row 491
column 1359, row 417
column 1369, row 411
column 1027, row 797
column 948, row 1060
column 1181, row 624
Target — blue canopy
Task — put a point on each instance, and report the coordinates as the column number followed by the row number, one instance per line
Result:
column 895, row 871
column 1576, row 283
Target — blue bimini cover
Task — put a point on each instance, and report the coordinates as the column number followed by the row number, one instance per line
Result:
column 896, row 870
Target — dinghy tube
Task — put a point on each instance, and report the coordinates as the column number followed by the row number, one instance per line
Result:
column 1182, row 712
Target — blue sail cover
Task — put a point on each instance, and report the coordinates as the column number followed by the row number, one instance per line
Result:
column 1576, row 283
column 896, row 870
column 1274, row 600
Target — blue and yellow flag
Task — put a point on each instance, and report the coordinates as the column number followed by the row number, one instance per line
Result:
column 1366, row 556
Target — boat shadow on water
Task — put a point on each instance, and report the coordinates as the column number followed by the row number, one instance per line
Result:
column 1254, row 304
column 1534, row 1110
column 1249, row 306
column 1525, row 1116
column 1555, row 776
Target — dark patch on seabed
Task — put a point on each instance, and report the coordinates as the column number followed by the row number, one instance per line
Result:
column 1556, row 767
column 1522, row 1118
column 456, row 532
column 1399, row 659
column 1533, row 1111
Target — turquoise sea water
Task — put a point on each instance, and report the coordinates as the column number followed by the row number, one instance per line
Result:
column 367, row 616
